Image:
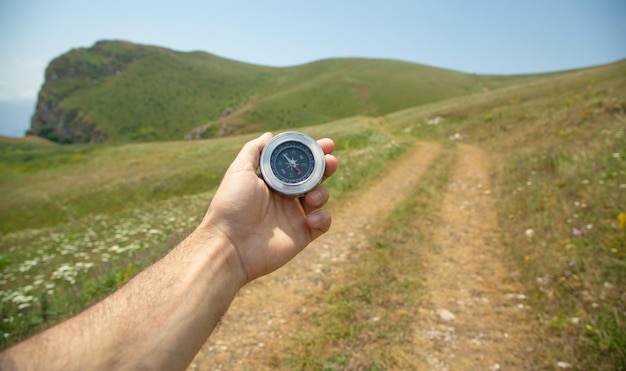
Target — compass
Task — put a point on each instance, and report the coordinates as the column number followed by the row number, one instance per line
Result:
column 292, row 163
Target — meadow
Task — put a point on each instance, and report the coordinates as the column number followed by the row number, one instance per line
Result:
column 79, row 221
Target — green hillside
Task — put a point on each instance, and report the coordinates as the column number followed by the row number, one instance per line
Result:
column 119, row 91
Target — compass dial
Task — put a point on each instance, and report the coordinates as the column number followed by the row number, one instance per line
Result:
column 292, row 164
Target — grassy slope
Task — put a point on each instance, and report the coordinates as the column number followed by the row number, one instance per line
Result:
column 558, row 145
column 160, row 94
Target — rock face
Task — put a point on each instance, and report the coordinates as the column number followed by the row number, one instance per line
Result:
column 52, row 122
column 66, row 75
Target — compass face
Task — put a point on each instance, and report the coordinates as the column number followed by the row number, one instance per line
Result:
column 292, row 162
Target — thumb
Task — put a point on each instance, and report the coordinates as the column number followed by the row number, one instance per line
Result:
column 250, row 154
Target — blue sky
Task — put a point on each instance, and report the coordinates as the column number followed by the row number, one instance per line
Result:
column 498, row 37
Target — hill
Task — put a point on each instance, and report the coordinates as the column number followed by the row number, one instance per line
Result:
column 120, row 91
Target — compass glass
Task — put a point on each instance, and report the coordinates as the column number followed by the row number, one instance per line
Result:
column 292, row 162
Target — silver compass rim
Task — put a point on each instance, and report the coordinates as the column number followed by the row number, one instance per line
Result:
column 297, row 189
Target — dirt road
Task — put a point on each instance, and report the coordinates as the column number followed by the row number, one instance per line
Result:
column 471, row 303
column 478, row 319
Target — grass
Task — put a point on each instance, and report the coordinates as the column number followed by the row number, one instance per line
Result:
column 103, row 179
column 559, row 148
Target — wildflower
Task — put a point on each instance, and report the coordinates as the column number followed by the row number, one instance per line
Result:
column 435, row 121
column 526, row 258
column 621, row 218
column 577, row 233
column 529, row 232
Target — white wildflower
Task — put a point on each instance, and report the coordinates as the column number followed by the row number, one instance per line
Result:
column 455, row 136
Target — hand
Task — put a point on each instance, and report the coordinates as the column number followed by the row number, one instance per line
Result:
column 265, row 229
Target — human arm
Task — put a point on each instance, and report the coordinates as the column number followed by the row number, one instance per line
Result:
column 161, row 318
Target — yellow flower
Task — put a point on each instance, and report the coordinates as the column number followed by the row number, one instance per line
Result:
column 621, row 218
column 527, row 258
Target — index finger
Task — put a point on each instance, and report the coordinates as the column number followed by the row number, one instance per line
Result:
column 328, row 146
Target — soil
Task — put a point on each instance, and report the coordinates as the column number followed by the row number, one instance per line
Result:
column 474, row 317
column 478, row 319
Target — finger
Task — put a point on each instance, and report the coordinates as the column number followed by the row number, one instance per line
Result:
column 315, row 199
column 327, row 145
column 250, row 154
column 331, row 165
column 318, row 223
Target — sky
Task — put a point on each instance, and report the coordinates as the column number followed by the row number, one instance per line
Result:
column 479, row 36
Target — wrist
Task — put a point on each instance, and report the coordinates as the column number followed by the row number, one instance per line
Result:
column 215, row 244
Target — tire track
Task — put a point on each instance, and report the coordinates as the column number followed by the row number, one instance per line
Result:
column 477, row 318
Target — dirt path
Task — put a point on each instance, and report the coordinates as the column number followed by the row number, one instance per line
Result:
column 262, row 310
column 474, row 317
column 477, row 319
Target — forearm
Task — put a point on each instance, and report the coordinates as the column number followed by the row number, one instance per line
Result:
column 159, row 320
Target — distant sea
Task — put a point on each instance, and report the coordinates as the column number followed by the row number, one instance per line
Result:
column 15, row 117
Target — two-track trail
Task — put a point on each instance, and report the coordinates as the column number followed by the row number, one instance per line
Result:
column 472, row 316
column 477, row 318
column 263, row 309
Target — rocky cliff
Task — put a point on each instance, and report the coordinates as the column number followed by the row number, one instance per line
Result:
column 68, row 74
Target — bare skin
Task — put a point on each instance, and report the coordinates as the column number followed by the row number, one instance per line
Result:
column 161, row 318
